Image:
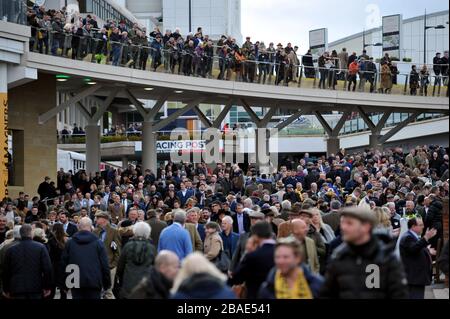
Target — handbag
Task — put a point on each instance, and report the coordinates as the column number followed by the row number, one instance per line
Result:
column 222, row 262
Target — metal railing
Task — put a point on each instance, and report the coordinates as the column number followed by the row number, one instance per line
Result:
column 97, row 47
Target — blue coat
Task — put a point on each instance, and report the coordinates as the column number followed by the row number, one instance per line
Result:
column 177, row 239
column 230, row 242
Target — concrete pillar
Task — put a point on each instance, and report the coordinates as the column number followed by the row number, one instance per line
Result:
column 3, row 130
column 124, row 162
column 374, row 142
column 262, row 150
column 93, row 156
column 33, row 138
column 149, row 154
column 333, row 145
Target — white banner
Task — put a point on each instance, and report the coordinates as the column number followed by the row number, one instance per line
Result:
column 392, row 26
column 318, row 41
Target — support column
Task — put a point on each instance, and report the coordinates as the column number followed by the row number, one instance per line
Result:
column 124, row 162
column 374, row 141
column 93, row 156
column 149, row 153
column 333, row 145
column 3, row 130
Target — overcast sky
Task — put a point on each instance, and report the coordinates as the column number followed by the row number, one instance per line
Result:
column 290, row 20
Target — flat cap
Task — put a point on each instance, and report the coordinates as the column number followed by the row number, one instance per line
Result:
column 101, row 214
column 256, row 215
column 363, row 214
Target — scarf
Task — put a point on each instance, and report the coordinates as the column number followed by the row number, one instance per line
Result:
column 300, row 290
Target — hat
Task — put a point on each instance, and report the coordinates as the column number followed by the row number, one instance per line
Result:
column 256, row 215
column 289, row 186
column 279, row 45
column 309, row 212
column 101, row 214
column 363, row 214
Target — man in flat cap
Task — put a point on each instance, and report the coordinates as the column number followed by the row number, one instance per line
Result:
column 112, row 242
column 363, row 267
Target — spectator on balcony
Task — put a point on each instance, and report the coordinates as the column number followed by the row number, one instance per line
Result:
column 413, row 80
column 386, row 78
column 307, row 61
column 353, row 70
column 424, row 80
column 116, row 45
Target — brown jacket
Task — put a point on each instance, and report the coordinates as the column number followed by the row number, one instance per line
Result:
column 117, row 213
column 112, row 235
column 212, row 246
column 197, row 243
column 157, row 227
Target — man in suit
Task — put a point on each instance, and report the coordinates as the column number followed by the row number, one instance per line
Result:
column 194, row 235
column 156, row 225
column 127, row 204
column 112, row 242
column 69, row 227
column 116, row 210
column 192, row 217
column 239, row 252
column 241, row 220
column 183, row 194
column 255, row 266
column 416, row 257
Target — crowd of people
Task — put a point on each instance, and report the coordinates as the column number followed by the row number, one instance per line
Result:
column 309, row 230
column 195, row 54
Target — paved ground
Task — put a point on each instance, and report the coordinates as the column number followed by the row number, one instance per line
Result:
column 437, row 291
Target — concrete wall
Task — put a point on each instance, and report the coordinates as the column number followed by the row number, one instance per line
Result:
column 39, row 141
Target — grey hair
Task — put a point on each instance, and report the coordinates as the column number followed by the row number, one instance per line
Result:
column 228, row 219
column 390, row 204
column 165, row 257
column 142, row 229
column 180, row 217
column 286, row 204
column 85, row 223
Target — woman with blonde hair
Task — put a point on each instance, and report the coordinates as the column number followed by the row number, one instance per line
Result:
column 198, row 278
column 325, row 230
column 383, row 219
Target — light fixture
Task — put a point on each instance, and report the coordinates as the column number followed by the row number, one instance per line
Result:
column 149, row 89
column 178, row 92
column 91, row 83
column 62, row 77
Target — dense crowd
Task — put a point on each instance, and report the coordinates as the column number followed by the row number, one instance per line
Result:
column 194, row 54
column 309, row 230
